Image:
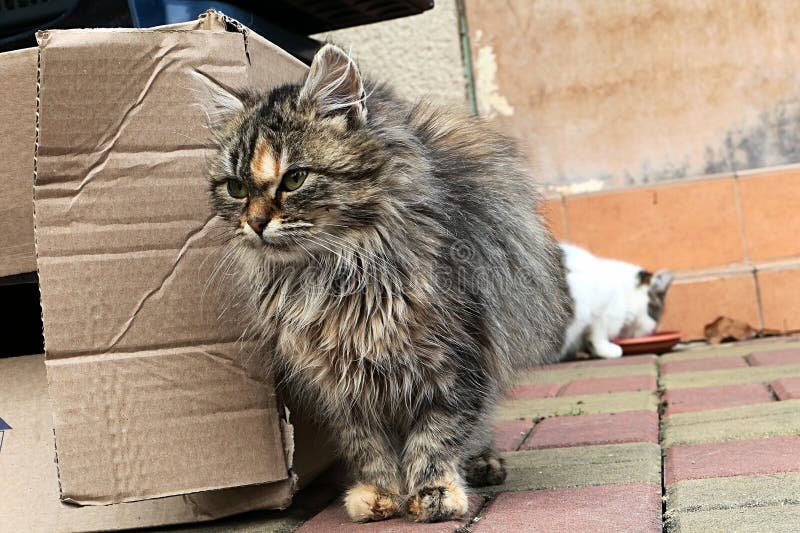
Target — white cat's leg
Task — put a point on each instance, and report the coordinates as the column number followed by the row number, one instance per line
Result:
column 600, row 346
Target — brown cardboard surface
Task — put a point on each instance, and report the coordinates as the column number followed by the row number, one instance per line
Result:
column 17, row 137
column 17, row 123
column 29, row 496
column 148, row 400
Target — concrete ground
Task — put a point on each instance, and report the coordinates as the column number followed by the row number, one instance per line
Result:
column 698, row 440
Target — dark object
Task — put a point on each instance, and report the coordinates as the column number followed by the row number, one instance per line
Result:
column 287, row 23
column 302, row 17
column 21, row 19
column 315, row 16
column 21, row 321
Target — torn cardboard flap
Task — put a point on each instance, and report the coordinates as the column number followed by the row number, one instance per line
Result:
column 29, row 496
column 148, row 399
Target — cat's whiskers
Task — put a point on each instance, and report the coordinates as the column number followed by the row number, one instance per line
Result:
column 353, row 249
column 355, row 266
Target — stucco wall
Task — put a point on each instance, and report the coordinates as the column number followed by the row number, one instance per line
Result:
column 419, row 56
column 607, row 93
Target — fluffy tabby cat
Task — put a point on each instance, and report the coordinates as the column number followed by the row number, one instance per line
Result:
column 394, row 267
column 613, row 299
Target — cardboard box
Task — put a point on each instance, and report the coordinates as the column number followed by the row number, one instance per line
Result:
column 150, row 403
column 29, row 495
column 17, row 128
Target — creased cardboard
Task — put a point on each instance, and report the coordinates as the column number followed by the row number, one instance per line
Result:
column 148, row 400
column 17, row 137
column 17, row 123
column 29, row 497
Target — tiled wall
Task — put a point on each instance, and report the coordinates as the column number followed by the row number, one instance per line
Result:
column 733, row 241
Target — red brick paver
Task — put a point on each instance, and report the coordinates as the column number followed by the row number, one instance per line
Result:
column 736, row 458
column 334, row 520
column 699, row 365
column 622, row 361
column 530, row 392
column 610, row 384
column 787, row 388
column 509, row 434
column 775, row 357
column 583, row 430
column 588, row 363
column 632, row 507
column 702, row 398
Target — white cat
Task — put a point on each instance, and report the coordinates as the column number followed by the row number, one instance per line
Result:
column 613, row 299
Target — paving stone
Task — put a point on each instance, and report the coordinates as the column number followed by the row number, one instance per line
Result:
column 334, row 519
column 702, row 398
column 787, row 388
column 529, row 392
column 734, row 349
column 557, row 468
column 509, row 434
column 305, row 504
column 578, row 405
column 733, row 423
column 562, row 374
column 741, row 422
column 629, row 426
column 735, row 458
column 259, row 522
column 632, row 507
column 732, row 492
column 751, row 374
column 606, row 385
column 700, row 365
column 772, row 519
column 775, row 357
column 646, row 359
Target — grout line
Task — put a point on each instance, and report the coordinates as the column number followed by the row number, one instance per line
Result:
column 759, row 307
column 660, row 390
column 528, row 435
column 476, row 516
column 740, row 215
column 772, row 392
column 561, row 387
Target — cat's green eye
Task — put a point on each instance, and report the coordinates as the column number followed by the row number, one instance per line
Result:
column 237, row 189
column 293, row 179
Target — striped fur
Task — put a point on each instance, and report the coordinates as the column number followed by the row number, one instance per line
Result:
column 397, row 290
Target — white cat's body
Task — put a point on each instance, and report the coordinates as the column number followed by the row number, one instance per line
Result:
column 611, row 301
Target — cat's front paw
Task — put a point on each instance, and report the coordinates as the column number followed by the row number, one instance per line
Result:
column 367, row 503
column 439, row 502
column 608, row 350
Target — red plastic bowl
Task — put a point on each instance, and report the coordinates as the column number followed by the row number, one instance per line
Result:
column 656, row 343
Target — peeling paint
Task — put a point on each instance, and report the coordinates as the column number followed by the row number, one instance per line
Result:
column 590, row 185
column 490, row 101
column 641, row 92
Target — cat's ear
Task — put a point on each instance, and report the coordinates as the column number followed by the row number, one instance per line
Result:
column 220, row 104
column 334, row 85
column 661, row 281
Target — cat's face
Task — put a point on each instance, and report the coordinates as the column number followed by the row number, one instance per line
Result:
column 296, row 169
column 646, row 303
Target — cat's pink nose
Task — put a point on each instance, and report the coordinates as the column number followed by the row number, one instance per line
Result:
column 258, row 224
